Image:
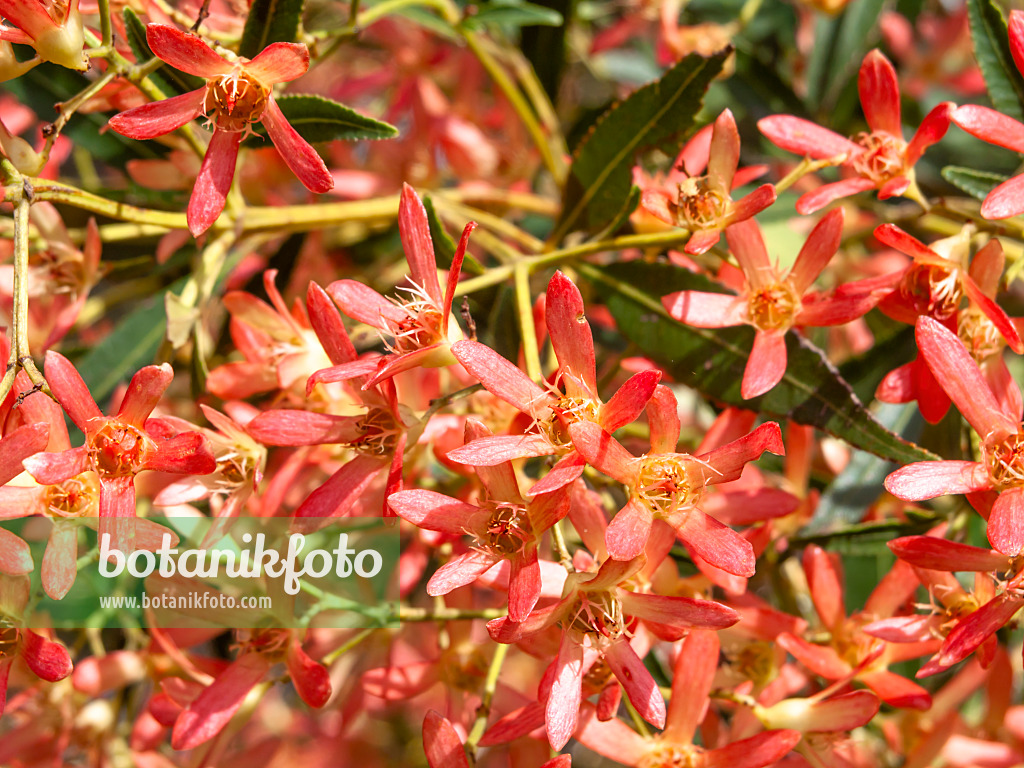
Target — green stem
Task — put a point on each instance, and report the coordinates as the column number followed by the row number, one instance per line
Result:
column 448, row 614
column 524, row 307
column 106, row 32
column 484, row 710
column 69, row 107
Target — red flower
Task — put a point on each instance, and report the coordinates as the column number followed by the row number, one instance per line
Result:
column 52, row 27
column 703, row 204
column 771, row 301
column 551, row 412
column 669, row 486
column 236, row 95
column 420, row 325
column 1007, row 199
column 879, row 159
column 505, row 526
column 117, row 447
column 1002, row 443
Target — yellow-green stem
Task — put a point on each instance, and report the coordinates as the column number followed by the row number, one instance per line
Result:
column 524, row 306
column 484, row 710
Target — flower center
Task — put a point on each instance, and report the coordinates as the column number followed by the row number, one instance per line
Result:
column 665, row 487
column 1005, row 461
column 933, row 290
column 882, row 156
column 508, row 529
column 422, row 325
column 235, row 100
column 598, row 614
column 755, row 661
column 566, row 412
column 118, row 449
column 979, row 334
column 76, row 497
column 698, row 206
column 380, row 432
column 669, row 755
column 772, row 308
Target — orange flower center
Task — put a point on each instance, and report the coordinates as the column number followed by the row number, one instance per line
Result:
column 118, row 449
column 598, row 614
column 508, row 529
column 933, row 290
column 566, row 412
column 698, row 206
column 665, row 487
column 979, row 334
column 380, row 432
column 1005, row 461
column 76, row 497
column 882, row 158
column 8, row 638
column 671, row 755
column 772, row 307
column 422, row 325
column 234, row 101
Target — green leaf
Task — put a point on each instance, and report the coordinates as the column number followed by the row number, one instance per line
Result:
column 319, row 119
column 514, row 14
column 977, row 184
column 600, row 177
column 840, row 45
column 169, row 80
column 270, row 21
column 131, row 345
column 712, row 361
column 992, row 50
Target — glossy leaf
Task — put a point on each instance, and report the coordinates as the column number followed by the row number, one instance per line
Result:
column 318, row 119
column 513, row 13
column 712, row 361
column 270, row 21
column 992, row 50
column 600, row 178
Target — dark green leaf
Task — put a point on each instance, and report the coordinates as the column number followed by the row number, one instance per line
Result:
column 860, row 483
column 513, row 14
column 992, row 50
column 840, row 45
column 622, row 216
column 130, row 346
column 319, row 119
column 977, row 184
column 600, row 177
column 270, row 21
column 712, row 361
column 169, row 80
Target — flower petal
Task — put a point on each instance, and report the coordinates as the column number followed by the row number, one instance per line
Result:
column 991, row 126
column 18, row 445
column 214, row 181
column 959, row 376
column 938, row 554
column 295, row 427
column 15, row 557
column 816, row 199
column 279, row 63
column 441, row 743
column 59, row 561
column 627, row 533
column 640, row 687
column 928, row 479
column 880, row 94
column 819, row 248
column 159, row 117
column 495, row 449
column 186, row 52
column 70, row 390
column 217, row 704
column 724, row 153
column 603, row 452
column 931, row 130
column 1006, row 523
column 144, row 392
column 803, row 137
column 435, row 511
column 305, row 163
column 417, row 244
column 718, row 544
column 501, row 378
column 766, row 365
column 563, row 706
column 693, row 677
column 706, row 310
column 747, row 244
column 629, row 400
column 571, row 337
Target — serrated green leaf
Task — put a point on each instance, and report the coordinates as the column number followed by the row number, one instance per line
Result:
column 514, row 14
column 712, row 361
column 169, row 80
column 840, row 45
column 600, row 176
column 977, row 184
column 319, row 119
column 270, row 21
column 992, row 50
column 130, row 346
column 622, row 216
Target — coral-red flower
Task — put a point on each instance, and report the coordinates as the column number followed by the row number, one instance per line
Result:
column 52, row 27
column 236, row 95
column 878, row 159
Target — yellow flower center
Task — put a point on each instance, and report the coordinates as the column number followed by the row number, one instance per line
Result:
column 508, row 528
column 118, row 449
column 772, row 307
column 1005, row 461
column 698, row 206
column 933, row 290
column 76, row 497
column 670, row 755
column 979, row 334
column 882, row 158
column 665, row 487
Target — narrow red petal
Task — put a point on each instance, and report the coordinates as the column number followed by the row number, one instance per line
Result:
column 70, row 390
column 159, row 117
column 640, row 687
column 305, row 163
column 186, row 52
column 214, row 181
column 817, row 251
column 603, row 451
column 435, row 511
column 441, row 743
column 938, row 554
column 629, row 400
column 706, row 310
column 1006, row 523
column 724, row 153
column 928, row 479
column 626, row 535
column 419, row 248
column 279, row 63
column 991, row 126
column 500, row 377
column 880, row 94
column 144, row 392
column 563, row 706
column 1006, row 200
column 816, row 199
column 570, row 334
column 803, row 137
